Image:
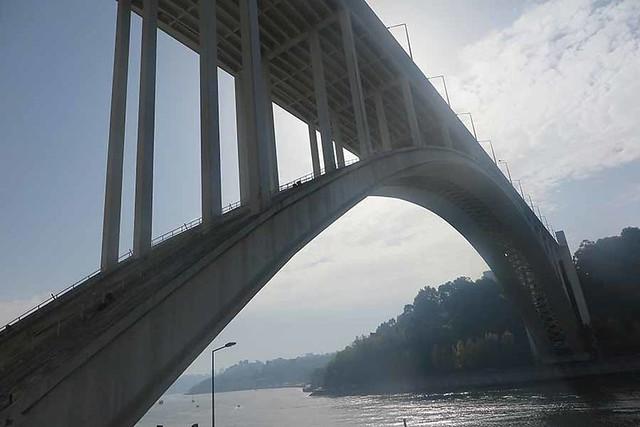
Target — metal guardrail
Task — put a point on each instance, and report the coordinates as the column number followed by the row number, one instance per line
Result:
column 157, row 240
column 310, row 177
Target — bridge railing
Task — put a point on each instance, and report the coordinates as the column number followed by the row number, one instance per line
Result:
column 310, row 176
column 157, row 240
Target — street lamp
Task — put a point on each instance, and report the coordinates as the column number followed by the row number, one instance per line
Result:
column 473, row 126
column 506, row 165
column 227, row 345
column 519, row 181
column 444, row 84
column 406, row 32
column 493, row 153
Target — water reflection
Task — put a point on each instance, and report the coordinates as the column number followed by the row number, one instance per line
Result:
column 561, row 405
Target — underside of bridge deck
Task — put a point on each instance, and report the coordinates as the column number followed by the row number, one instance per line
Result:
column 285, row 28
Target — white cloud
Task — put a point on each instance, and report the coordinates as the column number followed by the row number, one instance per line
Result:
column 557, row 90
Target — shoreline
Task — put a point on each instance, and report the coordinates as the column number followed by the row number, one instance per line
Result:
column 512, row 377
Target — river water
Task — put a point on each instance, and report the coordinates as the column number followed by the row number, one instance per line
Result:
column 558, row 406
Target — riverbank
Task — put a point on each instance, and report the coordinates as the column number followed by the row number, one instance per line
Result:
column 524, row 376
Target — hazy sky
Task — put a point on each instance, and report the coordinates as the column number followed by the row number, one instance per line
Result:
column 554, row 84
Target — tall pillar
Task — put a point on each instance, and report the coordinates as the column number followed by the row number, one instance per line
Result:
column 411, row 113
column 256, row 163
column 315, row 157
column 355, row 84
column 146, row 122
column 322, row 101
column 337, row 136
column 247, row 158
column 383, row 127
column 274, row 183
column 570, row 275
column 115, row 151
column 211, row 183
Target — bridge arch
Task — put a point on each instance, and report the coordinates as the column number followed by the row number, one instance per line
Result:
column 185, row 294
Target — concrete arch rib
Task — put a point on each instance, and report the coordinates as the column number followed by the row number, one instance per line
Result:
column 181, row 313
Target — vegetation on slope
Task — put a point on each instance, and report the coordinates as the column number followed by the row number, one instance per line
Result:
column 466, row 324
column 247, row 375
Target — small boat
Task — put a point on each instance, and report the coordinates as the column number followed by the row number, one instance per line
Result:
column 160, row 402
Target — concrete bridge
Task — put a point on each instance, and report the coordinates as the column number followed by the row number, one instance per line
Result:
column 102, row 352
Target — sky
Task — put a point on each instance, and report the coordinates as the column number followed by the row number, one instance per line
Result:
column 553, row 84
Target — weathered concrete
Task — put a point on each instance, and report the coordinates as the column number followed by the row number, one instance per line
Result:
column 143, row 209
column 322, row 103
column 210, row 175
column 355, row 83
column 115, row 156
column 146, row 339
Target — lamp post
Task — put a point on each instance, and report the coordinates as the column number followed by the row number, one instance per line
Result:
column 406, row 32
column 506, row 165
column 227, row 345
column 493, row 153
column 444, row 84
column 519, row 181
column 473, row 126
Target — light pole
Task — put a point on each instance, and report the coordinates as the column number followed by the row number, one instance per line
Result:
column 493, row 153
column 213, row 410
column 473, row 126
column 506, row 165
column 444, row 84
column 519, row 181
column 406, row 32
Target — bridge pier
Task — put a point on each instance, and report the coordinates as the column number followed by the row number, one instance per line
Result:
column 143, row 209
column 115, row 150
column 315, row 156
column 339, row 145
column 211, row 181
column 322, row 102
column 255, row 145
column 357, row 95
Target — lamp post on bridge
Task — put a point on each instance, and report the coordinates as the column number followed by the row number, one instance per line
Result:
column 506, row 165
column 406, row 32
column 473, row 126
column 519, row 181
column 493, row 153
column 213, row 410
column 444, row 84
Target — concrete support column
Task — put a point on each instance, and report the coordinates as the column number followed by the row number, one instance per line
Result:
column 146, row 122
column 211, row 183
column 247, row 156
column 115, row 151
column 570, row 275
column 407, row 96
column 274, row 183
column 355, row 84
column 337, row 136
column 313, row 145
column 254, row 150
column 383, row 127
column 322, row 101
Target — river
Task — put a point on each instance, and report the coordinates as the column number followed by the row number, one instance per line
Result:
column 558, row 406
